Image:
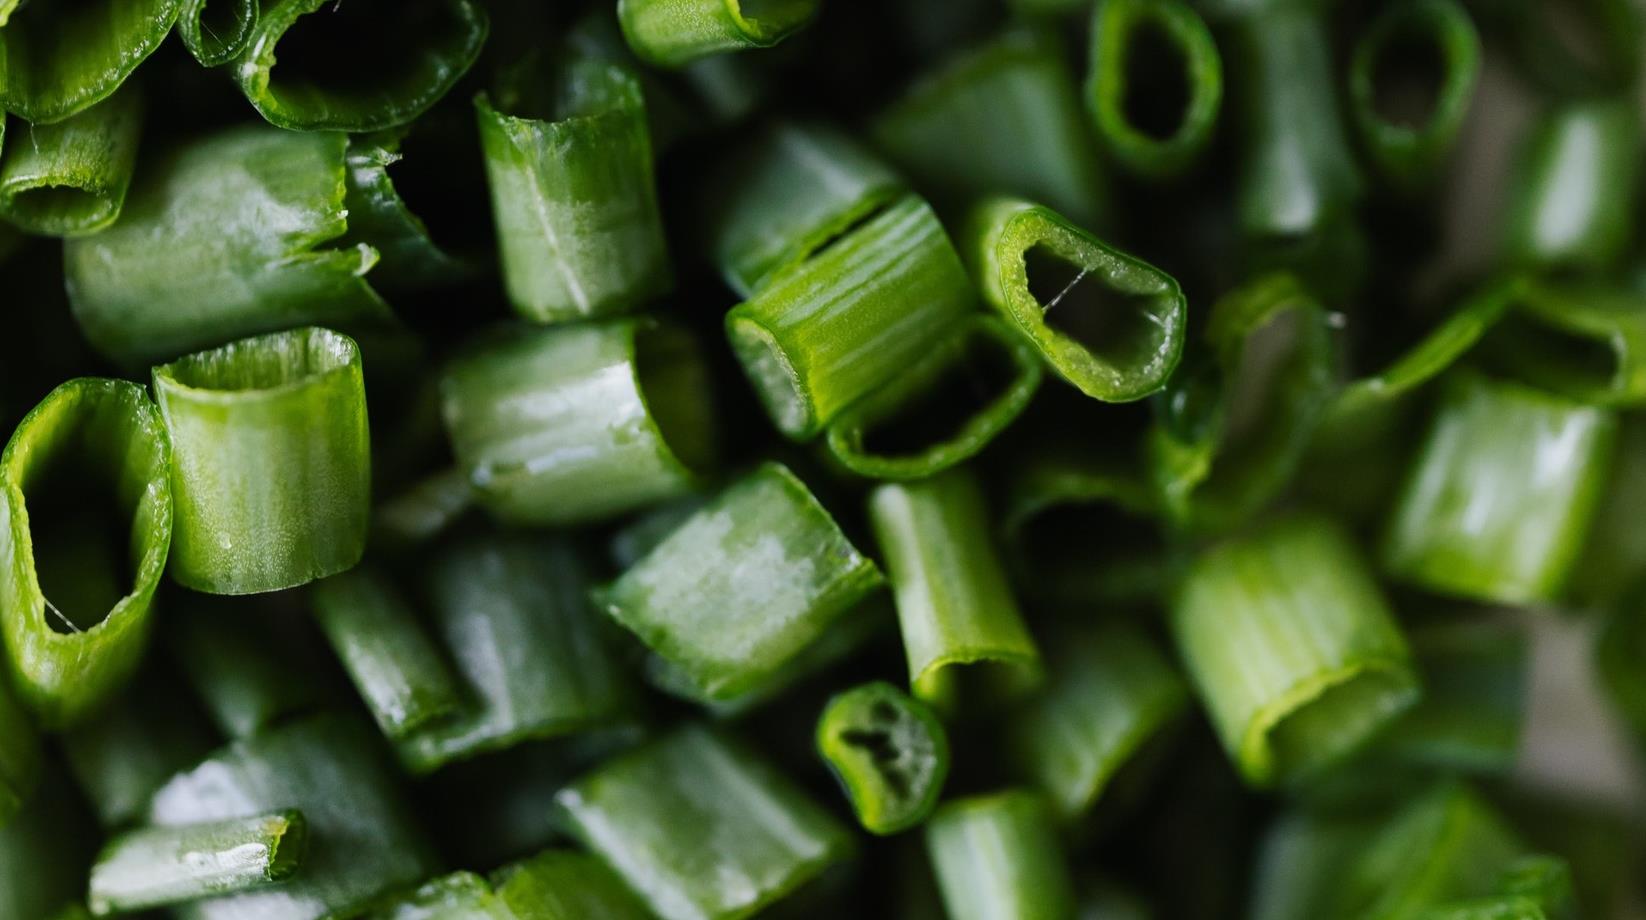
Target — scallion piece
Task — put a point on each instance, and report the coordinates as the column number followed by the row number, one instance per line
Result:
column 1500, row 495
column 743, row 587
column 1533, row 888
column 1292, row 649
column 1109, row 692
column 44, row 853
column 240, row 671
column 831, row 329
column 351, row 67
column 19, row 757
column 1578, row 171
column 565, row 885
column 1140, row 48
column 57, row 61
column 120, row 756
column 954, row 605
column 216, row 31
column 1109, row 323
column 1474, row 699
column 672, row 33
column 889, row 752
column 378, row 216
column 423, row 511
column 160, row 866
column 576, row 423
column 962, row 132
column 997, row 857
column 1576, row 47
column 944, row 409
column 272, row 462
column 1583, row 340
column 457, row 896
column 86, row 486
column 701, row 828
column 573, row 194
column 1614, row 553
column 70, row 178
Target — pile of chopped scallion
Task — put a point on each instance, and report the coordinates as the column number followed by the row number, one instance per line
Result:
column 907, row 459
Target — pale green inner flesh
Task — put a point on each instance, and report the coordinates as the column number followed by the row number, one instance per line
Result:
column 264, row 362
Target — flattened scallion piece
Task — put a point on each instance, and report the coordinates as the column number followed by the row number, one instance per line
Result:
column 1156, row 84
column 58, row 60
column 944, row 409
column 1579, row 168
column 672, row 33
column 272, row 461
column 85, row 483
column 889, row 752
column 953, row 602
column 573, row 193
column 577, row 423
column 1582, row 340
column 1109, row 323
column 316, row 65
column 743, row 587
column 70, row 178
column 702, row 828
column 1499, row 498
column 829, row 330
column 565, row 885
column 1292, row 649
column 19, row 757
column 998, row 856
column 159, row 866
column 216, row 31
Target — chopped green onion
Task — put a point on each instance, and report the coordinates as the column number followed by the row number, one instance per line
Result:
column 1108, row 693
column 240, row 671
column 1003, row 119
column 944, row 409
column 1570, row 204
column 57, row 61
column 356, row 67
column 576, row 423
column 573, row 195
column 1499, row 498
column 70, row 178
column 272, row 461
column 997, row 857
column 743, row 586
column 457, row 896
column 216, row 31
column 44, row 854
column 1586, row 341
column 889, row 752
column 671, row 33
column 120, row 756
column 19, row 757
column 827, row 331
column 953, row 601
column 1292, row 649
column 1533, row 888
column 86, row 487
column 1576, row 47
column 1301, row 860
column 379, row 216
column 423, row 511
column 1474, row 699
column 1614, row 552
column 1116, row 337
column 565, row 885
column 159, row 866
column 1142, row 47
column 641, row 534
column 701, row 828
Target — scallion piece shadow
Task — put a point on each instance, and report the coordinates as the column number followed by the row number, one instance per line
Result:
column 57, row 61
column 998, row 856
column 216, row 31
column 1569, row 204
column 1155, row 86
column 888, row 751
column 159, row 866
column 70, row 178
column 672, row 33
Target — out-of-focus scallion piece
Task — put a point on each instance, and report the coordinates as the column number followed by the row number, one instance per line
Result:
column 889, row 752
column 120, row 756
column 1532, row 888
column 272, row 462
column 216, row 31
column 954, row 605
column 572, row 190
column 349, row 67
column 1474, row 699
column 997, row 857
column 241, row 672
column 702, row 828
column 19, row 757
column 1109, row 323
column 1577, row 48
column 456, row 896
column 827, row 331
column 1569, row 203
column 423, row 511
column 565, row 885
column 945, row 408
column 70, row 178
column 743, row 586
column 1583, row 340
column 1292, row 649
column 672, row 33
column 85, row 483
column 56, row 62
column 45, row 851
column 576, row 423
column 1614, row 552
column 159, row 866
column 1156, row 84
column 1499, row 498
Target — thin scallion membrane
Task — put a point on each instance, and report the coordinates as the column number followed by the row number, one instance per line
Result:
column 216, row 31
column 1474, row 699
column 954, row 605
column 86, row 488
column 70, row 178
column 1155, row 86
column 59, row 59
column 120, row 756
column 743, row 587
column 19, row 757
column 1569, row 206
column 944, row 409
column 272, row 464
column 573, row 194
column 829, row 330
column 1292, row 649
column 702, row 828
column 997, row 857
column 672, row 33
column 576, row 423
column 565, row 885
column 1583, row 340
column 242, row 672
column 1109, row 323
column 1497, row 501
column 889, row 752
column 315, row 65
column 158, row 866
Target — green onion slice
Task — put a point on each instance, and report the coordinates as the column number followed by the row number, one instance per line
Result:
column 565, row 885
column 456, row 896
column 422, row 512
column 160, row 866
column 1579, row 167
column 888, row 751
column 1139, row 47
column 70, row 178
column 997, row 856
column 1583, row 340
column 241, row 671
column 672, row 33
column 58, row 60
column 19, row 757
column 216, row 31
column 1474, row 699
column 378, row 216
column 120, row 756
